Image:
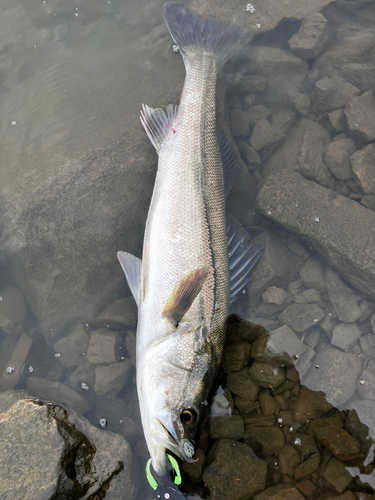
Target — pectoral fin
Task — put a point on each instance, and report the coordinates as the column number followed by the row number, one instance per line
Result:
column 132, row 268
column 183, row 295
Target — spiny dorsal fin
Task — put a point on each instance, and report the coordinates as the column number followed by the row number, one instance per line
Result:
column 132, row 268
column 183, row 295
column 157, row 123
column 230, row 161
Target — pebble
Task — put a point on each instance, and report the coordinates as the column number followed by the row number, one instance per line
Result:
column 265, row 135
column 280, row 492
column 345, row 335
column 283, row 120
column 252, row 157
column 268, row 440
column 344, row 301
column 338, row 441
column 235, row 357
column 266, row 375
column 289, row 458
column 363, row 163
column 310, row 405
column 368, row 345
column 302, row 104
column 337, row 119
column 304, row 443
column 309, row 296
column 308, row 466
column 337, row 475
column 367, row 308
column 267, row 402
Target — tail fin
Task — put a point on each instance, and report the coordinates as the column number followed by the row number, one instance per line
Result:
column 192, row 34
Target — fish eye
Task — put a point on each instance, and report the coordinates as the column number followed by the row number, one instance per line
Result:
column 188, row 416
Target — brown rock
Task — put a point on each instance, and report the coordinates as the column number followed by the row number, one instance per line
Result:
column 338, row 441
column 308, row 466
column 360, row 116
column 307, row 488
column 363, row 162
column 304, row 443
column 280, row 492
column 274, row 295
column 267, row 402
column 235, row 357
column 269, row 440
column 226, row 427
column 310, row 405
column 242, row 384
column 289, row 459
column 266, row 375
column 337, row 475
column 194, row 470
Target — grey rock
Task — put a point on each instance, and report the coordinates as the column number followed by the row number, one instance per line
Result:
column 366, row 382
column 265, row 375
column 302, row 104
column 337, row 119
column 368, row 201
column 332, row 93
column 365, row 411
column 119, row 314
column 265, row 135
column 116, row 413
column 16, row 361
column 343, row 299
column 311, row 38
column 300, row 317
column 237, row 460
column 327, row 324
column 250, row 100
column 112, row 378
column 240, row 124
column 312, row 338
column 360, row 116
column 84, row 374
column 274, row 295
column 271, row 310
column 103, row 347
column 335, row 373
column 56, row 392
column 372, row 321
column 345, row 335
column 280, row 492
column 338, row 157
column 363, row 162
column 73, row 347
column 303, row 151
column 12, row 311
column 309, row 296
column 257, row 113
column 367, row 308
column 130, row 344
column 368, row 345
column 251, row 156
column 284, row 120
column 246, row 83
column 226, row 427
column 332, row 224
column 312, row 275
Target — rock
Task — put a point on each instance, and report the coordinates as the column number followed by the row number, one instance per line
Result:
column 194, row 470
column 56, row 392
column 338, row 441
column 338, row 156
column 240, row 124
column 265, row 135
column 274, row 295
column 130, row 344
column 12, row 311
column 363, row 163
column 359, row 113
column 242, row 384
column 235, row 357
column 372, row 321
column 366, row 411
column 303, row 151
column 251, row 156
column 258, row 113
column 119, row 314
column 246, row 83
column 312, row 275
column 333, row 224
column 289, row 459
column 82, row 378
column 241, row 198
column 307, row 488
column 337, row 475
column 36, row 453
column 342, row 297
column 366, row 382
column 310, row 405
column 300, row 317
column 368, row 345
column 332, row 93
column 271, row 310
column 310, row 39
column 227, row 427
column 309, row 296
column 73, row 347
column 112, row 378
column 244, row 405
column 304, row 443
column 302, row 104
column 336, row 375
column 283, row 120
column 327, row 324
column 16, row 361
column 368, row 201
column 103, row 346
column 266, row 375
column 285, row 73
column 308, row 466
column 280, row 492
column 267, row 402
column 235, row 460
column 269, row 440
column 345, row 335
column 337, row 119
column 312, row 338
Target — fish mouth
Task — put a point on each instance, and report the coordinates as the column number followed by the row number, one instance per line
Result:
column 169, row 442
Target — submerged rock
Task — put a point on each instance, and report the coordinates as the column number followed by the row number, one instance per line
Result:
column 345, row 335
column 337, row 475
column 332, row 93
column 12, row 311
column 312, row 275
column 268, row 440
column 310, row 39
column 363, row 162
column 265, row 135
column 300, row 317
column 119, row 314
column 73, row 347
column 280, row 492
column 56, row 392
column 343, row 298
column 338, row 157
column 112, row 378
column 15, row 361
column 103, row 346
column 227, row 427
column 337, row 119
column 360, row 116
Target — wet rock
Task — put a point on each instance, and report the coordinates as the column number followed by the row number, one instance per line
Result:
column 310, row 39
column 119, row 314
column 366, row 307
column 363, row 163
column 333, row 224
column 249, row 153
column 337, row 475
column 194, row 470
column 258, row 113
column 300, row 317
column 360, row 116
column 338, row 441
column 235, row 357
column 327, row 324
column 268, row 440
column 332, row 93
column 12, row 311
column 239, row 121
column 343, row 299
column 310, row 405
column 365, row 411
column 335, row 373
column 337, row 119
column 73, row 347
column 235, row 460
column 368, row 201
column 267, row 402
column 345, row 335
column 304, row 443
column 303, row 151
column 307, row 488
column 274, row 295
column 338, row 157
column 130, row 344
column 312, row 338
column 244, row 405
column 36, row 453
column 16, row 362
column 82, row 378
column 265, row 135
column 308, row 466
column 242, row 384
column 103, row 346
column 246, row 83
column 112, row 378
column 366, row 382
column 265, row 375
column 302, row 104
column 289, row 459
column 56, row 392
column 283, row 120
column 309, row 296
column 312, row 275
column 227, row 427
column 280, row 492
column 368, row 345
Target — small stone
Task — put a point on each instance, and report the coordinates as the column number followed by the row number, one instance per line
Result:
column 247, row 83
column 309, row 296
column 308, row 466
column 249, row 153
column 342, row 297
column 338, row 157
column 312, row 275
column 119, row 314
column 295, row 286
column 310, row 405
column 226, row 427
column 269, row 440
column 363, row 162
column 337, row 475
column 345, row 335
column 283, row 120
column 265, row 135
column 298, row 249
column 57, row 392
column 112, row 378
column 338, row 441
column 274, row 295
column 267, row 402
column 337, row 119
column 103, row 346
column 15, row 362
column 368, row 345
column 242, row 384
column 302, row 104
column 327, row 324
column 72, row 346
column 300, row 317
column 280, row 492
column 266, row 375
column 235, row 357
column 311, row 38
column 332, row 93
column 360, row 116
column 305, row 444
column 12, row 311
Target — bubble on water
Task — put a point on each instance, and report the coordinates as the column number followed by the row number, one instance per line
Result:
column 316, row 219
column 269, row 212
column 317, row 367
column 297, row 442
column 356, row 124
column 1, row 298
column 290, row 429
column 250, row 8
column 362, row 382
column 76, row 8
column 14, row 122
column 315, row 320
column 30, row 369
column 83, row 354
column 243, row 291
column 121, row 421
column 258, row 26
column 76, row 14
column 87, row 325
column 84, row 386
column 9, row 369
column 329, row 314
column 57, row 354
column 296, row 204
column 275, row 371
column 175, row 48
column 34, row 45
column 122, row 357
column 103, row 422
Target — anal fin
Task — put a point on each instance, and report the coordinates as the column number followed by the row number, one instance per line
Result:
column 157, row 123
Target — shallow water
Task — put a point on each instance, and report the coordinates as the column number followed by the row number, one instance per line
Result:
column 77, row 174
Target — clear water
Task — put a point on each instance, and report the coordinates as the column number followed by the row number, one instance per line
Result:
column 77, row 175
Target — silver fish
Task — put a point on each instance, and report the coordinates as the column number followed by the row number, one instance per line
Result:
column 185, row 281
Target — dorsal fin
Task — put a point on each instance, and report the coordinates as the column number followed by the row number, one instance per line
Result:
column 157, row 123
column 132, row 268
column 230, row 161
column 242, row 258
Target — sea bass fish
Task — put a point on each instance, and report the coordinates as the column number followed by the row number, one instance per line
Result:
column 185, row 281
